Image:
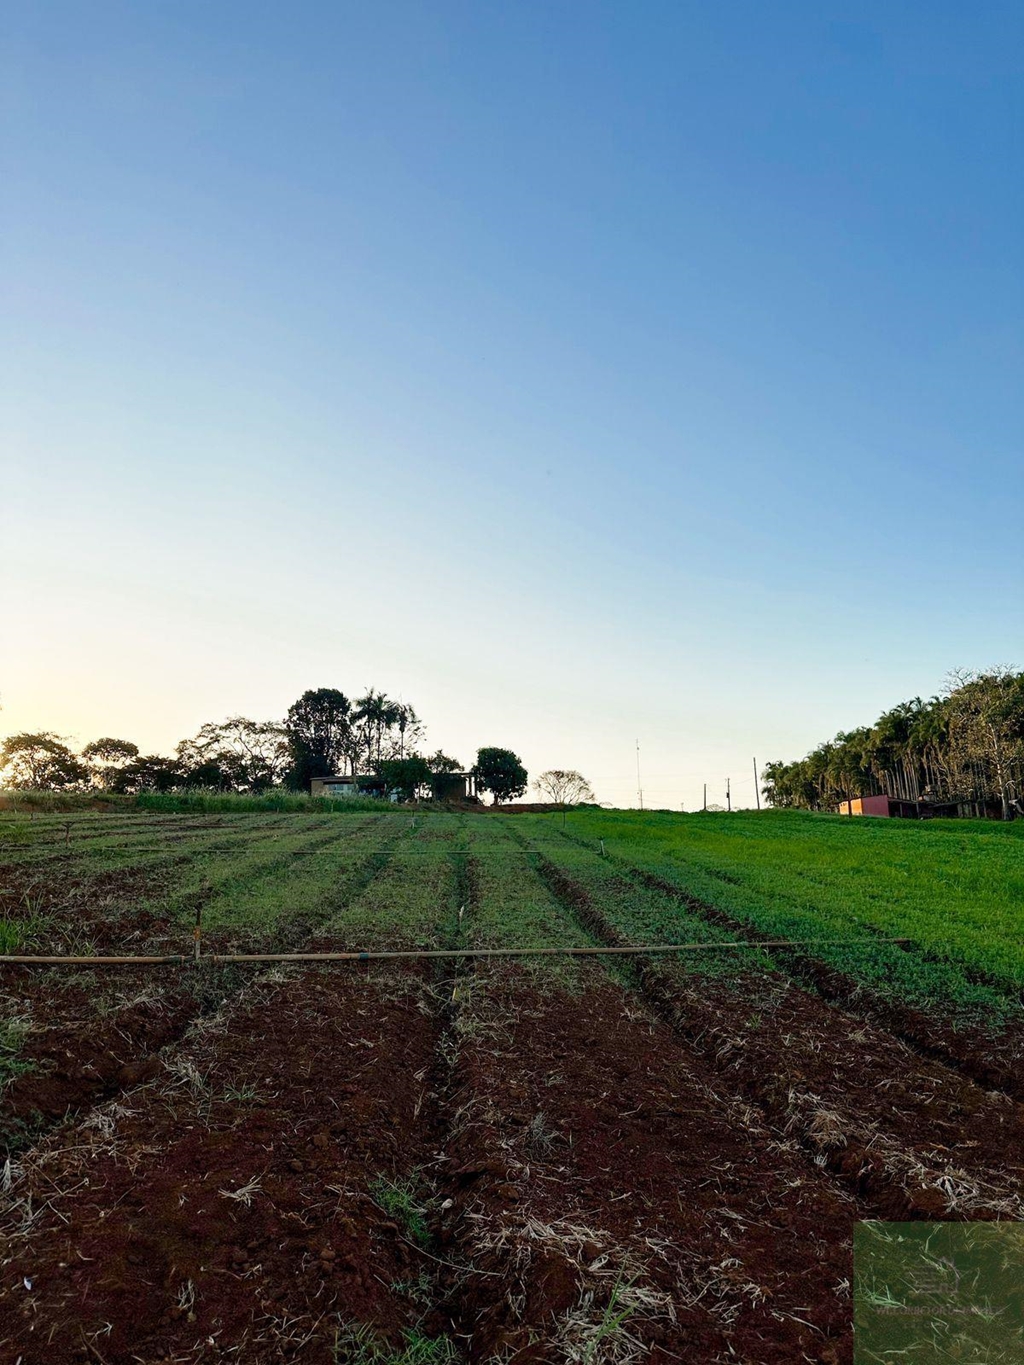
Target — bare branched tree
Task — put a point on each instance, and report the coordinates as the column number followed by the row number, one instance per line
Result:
column 566, row 787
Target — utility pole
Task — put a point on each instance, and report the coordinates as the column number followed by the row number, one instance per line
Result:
column 705, row 797
column 639, row 788
column 757, row 790
column 728, row 796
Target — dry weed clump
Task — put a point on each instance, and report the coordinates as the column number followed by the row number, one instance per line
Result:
column 615, row 1296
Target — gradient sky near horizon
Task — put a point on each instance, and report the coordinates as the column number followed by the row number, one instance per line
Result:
column 581, row 373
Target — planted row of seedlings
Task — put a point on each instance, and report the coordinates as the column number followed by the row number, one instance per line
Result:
column 985, row 1042
column 71, row 843
column 109, row 896
column 938, row 997
column 908, row 1137
column 150, row 903
column 257, row 1199
column 75, row 1036
column 604, row 1198
column 955, row 888
column 966, row 1022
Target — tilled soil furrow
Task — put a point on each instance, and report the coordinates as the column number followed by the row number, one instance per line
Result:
column 608, row 1202
column 907, row 1138
column 233, row 1208
column 94, row 1054
column 599, row 1198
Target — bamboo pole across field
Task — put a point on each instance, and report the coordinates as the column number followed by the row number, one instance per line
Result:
column 171, row 959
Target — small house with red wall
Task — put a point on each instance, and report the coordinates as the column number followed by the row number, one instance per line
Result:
column 904, row 810
column 870, row 805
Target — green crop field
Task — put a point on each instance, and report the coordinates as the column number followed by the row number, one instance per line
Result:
column 956, row 888
column 555, row 1149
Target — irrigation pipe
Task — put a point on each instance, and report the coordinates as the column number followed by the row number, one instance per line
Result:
column 27, row 960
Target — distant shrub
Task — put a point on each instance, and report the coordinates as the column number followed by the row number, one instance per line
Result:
column 52, row 803
column 225, row 803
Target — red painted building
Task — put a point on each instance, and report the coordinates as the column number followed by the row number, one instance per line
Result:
column 906, row 810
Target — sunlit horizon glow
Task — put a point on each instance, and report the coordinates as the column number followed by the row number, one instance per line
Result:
column 579, row 375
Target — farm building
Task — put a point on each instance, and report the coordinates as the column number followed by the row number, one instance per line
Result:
column 346, row 785
column 447, row 786
column 455, row 786
column 905, row 810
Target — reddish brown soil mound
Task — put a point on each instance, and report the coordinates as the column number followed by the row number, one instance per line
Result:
column 590, row 1151
column 89, row 1047
column 228, row 1206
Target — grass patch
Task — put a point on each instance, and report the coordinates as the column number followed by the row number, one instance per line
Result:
column 399, row 1201
column 12, row 1040
column 49, row 802
column 14, row 833
column 409, row 899
column 363, row 1346
column 514, row 909
column 14, row 933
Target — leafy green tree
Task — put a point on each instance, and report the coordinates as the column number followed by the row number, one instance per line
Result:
column 207, row 769
column 106, row 757
column 149, row 773
column 319, row 731
column 986, row 726
column 408, row 725
column 237, row 754
column 965, row 747
column 40, row 762
column 382, row 728
column 443, row 763
column 404, row 777
column 500, row 772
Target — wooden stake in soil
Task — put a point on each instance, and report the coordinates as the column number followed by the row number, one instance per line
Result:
column 198, row 934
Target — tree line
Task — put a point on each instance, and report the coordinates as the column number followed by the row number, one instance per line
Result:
column 323, row 734
column 963, row 747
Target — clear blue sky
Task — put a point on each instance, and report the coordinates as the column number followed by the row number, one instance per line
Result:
column 579, row 372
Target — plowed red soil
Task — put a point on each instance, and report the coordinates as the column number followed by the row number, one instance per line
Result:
column 575, row 1155
column 89, row 1046
column 591, row 1150
column 910, row 1137
column 225, row 1209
